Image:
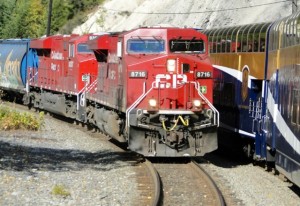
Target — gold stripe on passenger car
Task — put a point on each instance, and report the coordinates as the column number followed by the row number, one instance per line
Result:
column 254, row 60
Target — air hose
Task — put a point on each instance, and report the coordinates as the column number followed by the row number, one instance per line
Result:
column 185, row 123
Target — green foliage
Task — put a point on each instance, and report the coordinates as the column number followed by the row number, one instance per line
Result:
column 28, row 18
column 35, row 20
column 14, row 26
column 78, row 13
column 60, row 14
column 60, row 190
column 11, row 119
column 6, row 8
column 101, row 19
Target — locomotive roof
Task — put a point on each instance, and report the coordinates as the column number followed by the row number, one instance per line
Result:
column 169, row 32
column 46, row 42
column 102, row 41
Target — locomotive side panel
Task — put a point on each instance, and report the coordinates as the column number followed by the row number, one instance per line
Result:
column 111, row 77
column 82, row 65
column 52, row 63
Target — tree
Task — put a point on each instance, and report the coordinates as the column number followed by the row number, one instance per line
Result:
column 35, row 20
column 13, row 27
column 28, row 18
column 60, row 14
column 78, row 13
column 6, row 9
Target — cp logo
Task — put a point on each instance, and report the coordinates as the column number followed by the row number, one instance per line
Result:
column 169, row 81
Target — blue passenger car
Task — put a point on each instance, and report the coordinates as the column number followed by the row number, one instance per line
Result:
column 257, row 88
column 282, row 120
column 239, row 58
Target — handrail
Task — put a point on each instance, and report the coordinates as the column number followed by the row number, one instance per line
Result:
column 86, row 89
column 137, row 102
column 216, row 112
column 30, row 80
column 33, row 76
column 92, row 85
column 197, row 87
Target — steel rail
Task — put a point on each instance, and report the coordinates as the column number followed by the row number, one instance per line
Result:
column 217, row 193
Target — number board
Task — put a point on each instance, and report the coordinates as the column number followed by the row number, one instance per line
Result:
column 138, row 74
column 85, row 78
column 203, row 75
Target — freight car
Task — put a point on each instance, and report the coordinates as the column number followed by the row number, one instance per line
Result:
column 15, row 57
column 257, row 88
column 149, row 87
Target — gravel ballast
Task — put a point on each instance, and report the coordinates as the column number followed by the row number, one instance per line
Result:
column 249, row 185
column 61, row 165
column 64, row 165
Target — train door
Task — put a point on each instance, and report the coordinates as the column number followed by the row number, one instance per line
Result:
column 70, row 81
column 271, row 92
column 113, row 78
column 57, row 66
column 257, row 111
column 103, row 74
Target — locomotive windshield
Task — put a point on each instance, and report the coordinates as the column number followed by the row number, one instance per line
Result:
column 145, row 46
column 83, row 48
column 187, row 45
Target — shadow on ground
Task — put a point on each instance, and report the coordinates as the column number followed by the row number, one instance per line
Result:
column 24, row 158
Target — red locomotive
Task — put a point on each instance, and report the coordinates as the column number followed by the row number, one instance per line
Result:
column 154, row 91
column 149, row 87
column 56, row 84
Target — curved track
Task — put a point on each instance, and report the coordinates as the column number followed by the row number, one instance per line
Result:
column 148, row 184
column 187, row 184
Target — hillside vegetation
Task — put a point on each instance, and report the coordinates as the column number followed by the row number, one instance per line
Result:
column 11, row 119
column 28, row 18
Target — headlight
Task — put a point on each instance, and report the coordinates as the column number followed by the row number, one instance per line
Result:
column 197, row 103
column 171, row 65
column 152, row 102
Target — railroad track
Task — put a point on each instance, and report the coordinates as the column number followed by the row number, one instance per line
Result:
column 148, row 185
column 187, row 184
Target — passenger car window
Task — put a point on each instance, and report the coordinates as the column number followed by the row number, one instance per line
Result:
column 295, row 106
